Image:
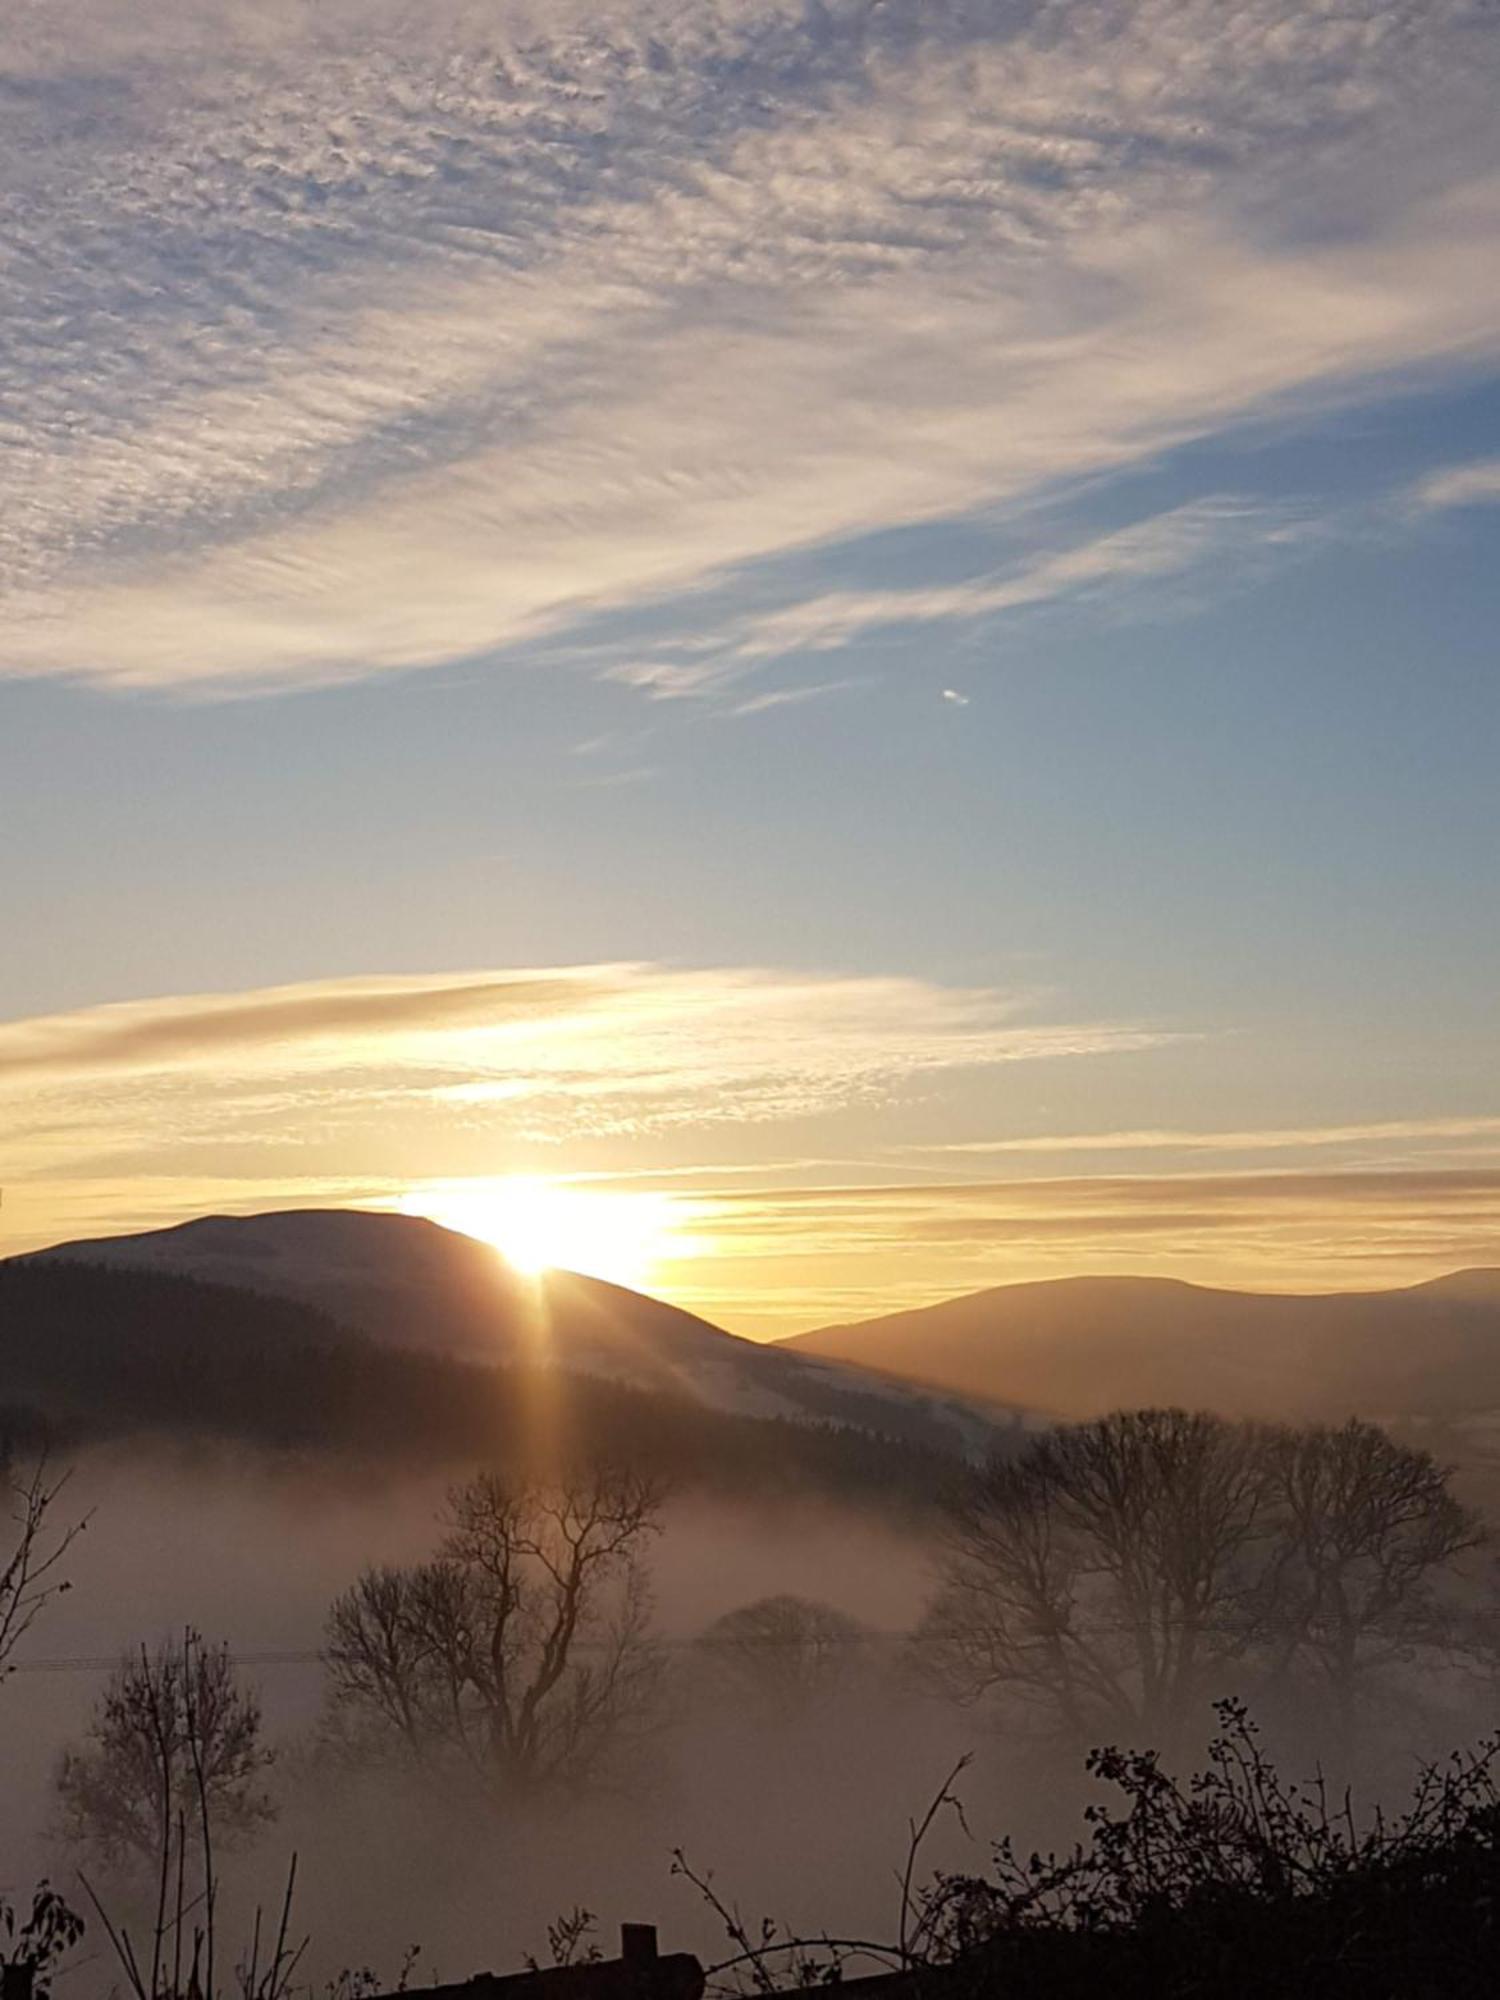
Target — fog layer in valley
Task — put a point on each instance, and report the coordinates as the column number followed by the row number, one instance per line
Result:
column 936, row 1621
column 802, row 1814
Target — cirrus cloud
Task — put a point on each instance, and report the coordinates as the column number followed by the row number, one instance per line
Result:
column 1475, row 484
column 340, row 339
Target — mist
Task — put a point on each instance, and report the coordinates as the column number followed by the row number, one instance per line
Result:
column 799, row 1811
column 791, row 1813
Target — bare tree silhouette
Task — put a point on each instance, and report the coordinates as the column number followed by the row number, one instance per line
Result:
column 1108, row 1575
column 784, row 1652
column 174, row 1752
column 523, row 1651
column 33, row 1544
column 1368, row 1529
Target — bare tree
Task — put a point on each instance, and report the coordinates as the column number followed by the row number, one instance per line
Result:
column 173, row 1761
column 784, row 1652
column 1368, row 1530
column 33, row 1544
column 522, row 1652
column 1123, row 1572
column 1110, row 1575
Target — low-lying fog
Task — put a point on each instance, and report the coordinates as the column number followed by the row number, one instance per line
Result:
column 801, row 1813
column 806, row 1819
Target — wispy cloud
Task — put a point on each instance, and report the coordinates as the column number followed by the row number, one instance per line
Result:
column 1219, row 530
column 376, row 1077
column 706, row 658
column 1293, row 1138
column 1475, row 484
column 351, row 338
column 793, row 697
column 792, row 1257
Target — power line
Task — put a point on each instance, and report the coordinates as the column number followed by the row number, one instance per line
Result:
column 103, row 1663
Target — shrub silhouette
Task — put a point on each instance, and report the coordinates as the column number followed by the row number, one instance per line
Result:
column 1232, row 1883
column 1239, row 1882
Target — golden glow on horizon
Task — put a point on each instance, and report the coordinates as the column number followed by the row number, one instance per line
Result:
column 538, row 1224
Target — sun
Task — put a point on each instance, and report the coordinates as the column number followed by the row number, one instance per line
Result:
column 538, row 1224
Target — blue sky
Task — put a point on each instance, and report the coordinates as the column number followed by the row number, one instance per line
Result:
column 979, row 525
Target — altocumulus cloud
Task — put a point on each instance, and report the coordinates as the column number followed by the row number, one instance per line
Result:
column 352, row 337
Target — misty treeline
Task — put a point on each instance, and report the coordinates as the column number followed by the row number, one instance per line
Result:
column 92, row 1353
column 1104, row 1584
column 1120, row 1574
column 1107, row 1583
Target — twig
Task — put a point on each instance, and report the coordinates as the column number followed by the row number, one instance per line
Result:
column 944, row 1796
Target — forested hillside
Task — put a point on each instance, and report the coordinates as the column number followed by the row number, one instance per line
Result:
column 88, row 1353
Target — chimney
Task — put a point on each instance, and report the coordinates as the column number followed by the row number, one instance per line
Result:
column 637, row 1946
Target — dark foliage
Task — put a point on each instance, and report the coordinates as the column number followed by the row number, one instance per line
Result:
column 1238, row 1882
column 1233, row 1885
column 88, row 1353
column 40, row 1940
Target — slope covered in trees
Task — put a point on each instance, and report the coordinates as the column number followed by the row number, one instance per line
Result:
column 407, row 1282
column 88, row 1353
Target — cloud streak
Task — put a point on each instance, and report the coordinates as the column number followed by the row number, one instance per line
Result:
column 1224, row 532
column 1293, row 1138
column 799, row 1256
column 1476, row 484
column 373, row 1078
column 347, row 340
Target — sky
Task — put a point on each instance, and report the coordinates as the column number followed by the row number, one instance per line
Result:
column 851, row 643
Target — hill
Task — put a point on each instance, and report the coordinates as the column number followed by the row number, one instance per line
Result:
column 408, row 1283
column 90, row 1354
column 1079, row 1346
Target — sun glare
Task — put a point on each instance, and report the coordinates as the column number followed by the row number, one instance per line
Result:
column 540, row 1225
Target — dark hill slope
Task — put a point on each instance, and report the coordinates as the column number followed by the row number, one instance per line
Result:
column 409, row 1283
column 88, row 1353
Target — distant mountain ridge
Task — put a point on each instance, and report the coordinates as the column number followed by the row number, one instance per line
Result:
column 410, row 1283
column 1076, row 1347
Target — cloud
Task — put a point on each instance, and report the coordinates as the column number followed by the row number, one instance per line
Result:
column 420, row 1075
column 1476, row 484
column 792, row 697
column 1216, row 530
column 287, row 1025
column 785, row 1258
column 1253, row 1140
column 351, row 339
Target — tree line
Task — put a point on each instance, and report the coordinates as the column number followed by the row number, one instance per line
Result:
column 1121, row 1573
column 1108, row 1583
column 92, row 1353
column 1111, row 1580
